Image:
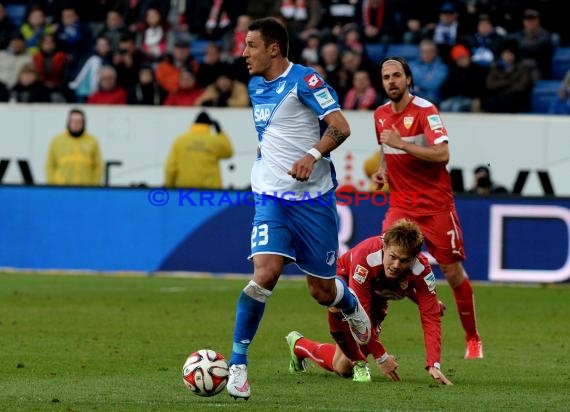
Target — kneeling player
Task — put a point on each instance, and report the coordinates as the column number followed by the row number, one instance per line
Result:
column 378, row 269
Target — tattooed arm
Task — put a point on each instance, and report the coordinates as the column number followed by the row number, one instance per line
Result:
column 336, row 133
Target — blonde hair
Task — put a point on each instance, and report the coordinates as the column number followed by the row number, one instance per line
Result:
column 405, row 234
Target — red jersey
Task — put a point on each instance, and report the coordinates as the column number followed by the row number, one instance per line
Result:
column 363, row 271
column 415, row 183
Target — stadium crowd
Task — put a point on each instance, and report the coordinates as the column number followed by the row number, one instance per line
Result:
column 467, row 55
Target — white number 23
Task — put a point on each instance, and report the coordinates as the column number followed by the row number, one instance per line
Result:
column 259, row 235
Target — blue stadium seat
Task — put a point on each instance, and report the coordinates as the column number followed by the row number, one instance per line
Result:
column 560, row 62
column 543, row 93
column 198, row 48
column 375, row 52
column 16, row 12
column 410, row 52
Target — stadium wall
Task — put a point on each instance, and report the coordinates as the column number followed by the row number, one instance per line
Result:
column 518, row 239
column 135, row 142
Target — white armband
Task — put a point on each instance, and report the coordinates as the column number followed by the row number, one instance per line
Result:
column 315, row 153
column 382, row 358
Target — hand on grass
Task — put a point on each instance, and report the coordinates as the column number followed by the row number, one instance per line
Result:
column 439, row 376
column 388, row 368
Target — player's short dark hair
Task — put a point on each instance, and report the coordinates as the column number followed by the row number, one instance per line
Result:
column 405, row 65
column 406, row 235
column 272, row 31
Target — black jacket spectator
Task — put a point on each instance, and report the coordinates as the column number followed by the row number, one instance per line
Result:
column 127, row 61
column 212, row 66
column 464, row 87
column 207, row 22
column 114, row 29
column 535, row 44
column 29, row 89
column 146, row 91
column 509, row 83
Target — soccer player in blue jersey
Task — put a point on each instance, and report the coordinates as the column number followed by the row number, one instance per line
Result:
column 298, row 121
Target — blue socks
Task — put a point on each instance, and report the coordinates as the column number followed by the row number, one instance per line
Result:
column 248, row 316
column 250, row 308
column 344, row 300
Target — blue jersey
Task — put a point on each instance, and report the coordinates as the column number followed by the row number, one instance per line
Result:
column 288, row 113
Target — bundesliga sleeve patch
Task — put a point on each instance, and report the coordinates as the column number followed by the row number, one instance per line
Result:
column 324, row 98
column 430, row 281
column 360, row 274
column 313, row 81
column 435, row 122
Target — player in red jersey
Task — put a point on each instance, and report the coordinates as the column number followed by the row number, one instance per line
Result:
column 414, row 144
column 378, row 269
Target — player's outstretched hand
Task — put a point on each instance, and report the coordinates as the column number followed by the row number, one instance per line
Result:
column 302, row 168
column 441, row 308
column 388, row 368
column 439, row 376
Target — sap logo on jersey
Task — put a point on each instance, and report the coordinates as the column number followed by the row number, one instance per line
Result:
column 262, row 112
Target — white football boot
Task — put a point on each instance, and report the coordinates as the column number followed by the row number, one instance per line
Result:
column 359, row 323
column 238, row 385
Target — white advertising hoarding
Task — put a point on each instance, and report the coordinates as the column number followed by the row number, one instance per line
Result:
column 138, row 139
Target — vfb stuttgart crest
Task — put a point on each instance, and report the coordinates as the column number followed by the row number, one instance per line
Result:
column 408, row 121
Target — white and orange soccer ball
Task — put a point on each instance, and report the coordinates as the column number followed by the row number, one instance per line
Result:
column 205, row 372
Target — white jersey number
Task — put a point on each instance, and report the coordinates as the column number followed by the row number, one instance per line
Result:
column 259, row 235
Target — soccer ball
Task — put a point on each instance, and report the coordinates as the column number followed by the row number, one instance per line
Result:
column 205, row 372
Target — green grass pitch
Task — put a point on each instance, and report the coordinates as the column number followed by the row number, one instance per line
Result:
column 77, row 343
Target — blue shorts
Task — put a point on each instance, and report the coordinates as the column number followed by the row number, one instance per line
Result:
column 305, row 232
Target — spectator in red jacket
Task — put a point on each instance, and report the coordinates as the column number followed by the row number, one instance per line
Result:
column 109, row 92
column 188, row 91
column 50, row 62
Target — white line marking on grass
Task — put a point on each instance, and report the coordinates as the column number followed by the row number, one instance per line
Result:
column 173, row 289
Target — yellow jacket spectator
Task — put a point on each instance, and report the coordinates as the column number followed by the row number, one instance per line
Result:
column 195, row 155
column 74, row 157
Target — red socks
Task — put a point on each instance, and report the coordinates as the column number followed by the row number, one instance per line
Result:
column 466, row 308
column 320, row 353
column 323, row 353
column 342, row 336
